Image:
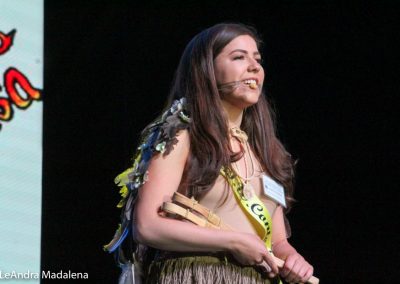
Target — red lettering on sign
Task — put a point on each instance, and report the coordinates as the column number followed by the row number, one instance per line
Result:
column 5, row 110
column 12, row 77
column 6, row 41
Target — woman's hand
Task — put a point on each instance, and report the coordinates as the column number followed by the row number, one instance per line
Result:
column 249, row 249
column 296, row 269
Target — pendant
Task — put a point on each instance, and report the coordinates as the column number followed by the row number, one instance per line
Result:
column 239, row 134
column 248, row 190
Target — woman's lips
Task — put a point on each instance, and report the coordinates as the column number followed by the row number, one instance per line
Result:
column 252, row 83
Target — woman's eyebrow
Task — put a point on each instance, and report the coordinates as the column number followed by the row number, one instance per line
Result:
column 244, row 51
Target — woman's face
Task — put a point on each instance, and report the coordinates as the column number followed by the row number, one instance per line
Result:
column 239, row 61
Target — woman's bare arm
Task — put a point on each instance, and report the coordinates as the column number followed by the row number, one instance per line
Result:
column 281, row 246
column 296, row 268
column 164, row 176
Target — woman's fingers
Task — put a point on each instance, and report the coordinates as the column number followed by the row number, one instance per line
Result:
column 300, row 276
column 296, row 269
column 272, row 265
column 260, row 261
column 264, row 265
column 293, row 275
column 308, row 274
column 287, row 268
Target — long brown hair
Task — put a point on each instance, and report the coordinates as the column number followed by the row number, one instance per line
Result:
column 209, row 140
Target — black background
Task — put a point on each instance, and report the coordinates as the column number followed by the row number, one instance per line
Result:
column 331, row 71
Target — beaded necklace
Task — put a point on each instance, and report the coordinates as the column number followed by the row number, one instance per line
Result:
column 241, row 136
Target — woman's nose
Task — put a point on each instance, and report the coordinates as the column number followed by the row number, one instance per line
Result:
column 254, row 66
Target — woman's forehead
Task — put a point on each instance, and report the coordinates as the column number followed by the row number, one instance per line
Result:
column 241, row 43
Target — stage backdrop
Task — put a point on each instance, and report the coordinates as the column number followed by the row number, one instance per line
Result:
column 21, row 81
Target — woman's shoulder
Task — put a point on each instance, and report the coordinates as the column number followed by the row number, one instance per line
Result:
column 178, row 149
column 182, row 142
column 183, row 136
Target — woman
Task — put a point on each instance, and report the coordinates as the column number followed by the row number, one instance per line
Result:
column 216, row 142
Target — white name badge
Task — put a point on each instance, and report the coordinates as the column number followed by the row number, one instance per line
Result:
column 274, row 190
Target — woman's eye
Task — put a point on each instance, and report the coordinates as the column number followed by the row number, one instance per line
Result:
column 260, row 60
column 238, row 57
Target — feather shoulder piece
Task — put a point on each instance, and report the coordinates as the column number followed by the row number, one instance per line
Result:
column 157, row 138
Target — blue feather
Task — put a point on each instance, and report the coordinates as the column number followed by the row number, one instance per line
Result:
column 120, row 240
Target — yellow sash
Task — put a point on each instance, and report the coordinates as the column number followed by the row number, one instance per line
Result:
column 253, row 207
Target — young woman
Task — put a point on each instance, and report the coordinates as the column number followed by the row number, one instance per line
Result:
column 215, row 142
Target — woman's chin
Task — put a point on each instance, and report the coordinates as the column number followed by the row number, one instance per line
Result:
column 242, row 101
column 246, row 104
column 250, row 99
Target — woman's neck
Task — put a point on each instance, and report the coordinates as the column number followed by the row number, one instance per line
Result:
column 233, row 113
